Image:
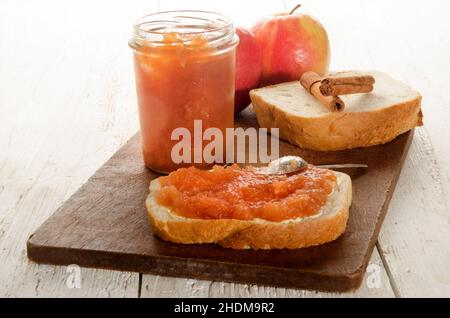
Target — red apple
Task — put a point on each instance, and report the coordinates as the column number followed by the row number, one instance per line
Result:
column 248, row 68
column 291, row 44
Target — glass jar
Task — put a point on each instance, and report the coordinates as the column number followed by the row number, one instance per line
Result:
column 185, row 71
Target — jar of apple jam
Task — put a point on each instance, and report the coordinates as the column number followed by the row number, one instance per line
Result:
column 185, row 72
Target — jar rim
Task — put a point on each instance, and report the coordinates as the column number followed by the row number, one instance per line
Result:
column 216, row 28
column 220, row 17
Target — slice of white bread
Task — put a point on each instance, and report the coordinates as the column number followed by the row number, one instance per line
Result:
column 391, row 109
column 325, row 226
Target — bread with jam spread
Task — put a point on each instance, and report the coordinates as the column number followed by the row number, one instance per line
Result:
column 324, row 226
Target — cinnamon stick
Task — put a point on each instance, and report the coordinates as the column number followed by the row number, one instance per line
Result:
column 311, row 82
column 344, row 85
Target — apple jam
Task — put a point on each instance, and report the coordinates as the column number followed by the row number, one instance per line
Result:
column 185, row 70
column 245, row 194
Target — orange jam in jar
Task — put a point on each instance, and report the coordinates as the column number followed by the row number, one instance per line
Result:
column 185, row 71
column 245, row 193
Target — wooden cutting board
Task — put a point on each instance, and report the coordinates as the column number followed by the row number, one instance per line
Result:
column 104, row 224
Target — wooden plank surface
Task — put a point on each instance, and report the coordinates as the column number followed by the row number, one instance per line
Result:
column 376, row 283
column 67, row 103
column 414, row 239
column 105, row 225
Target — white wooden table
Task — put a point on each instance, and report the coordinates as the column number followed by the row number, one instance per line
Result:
column 67, row 103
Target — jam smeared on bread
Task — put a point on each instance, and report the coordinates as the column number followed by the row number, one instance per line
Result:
column 245, row 194
column 325, row 226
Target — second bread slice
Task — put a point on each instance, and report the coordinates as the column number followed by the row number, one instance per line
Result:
column 391, row 109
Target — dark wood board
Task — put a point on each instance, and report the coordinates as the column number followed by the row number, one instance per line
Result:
column 104, row 224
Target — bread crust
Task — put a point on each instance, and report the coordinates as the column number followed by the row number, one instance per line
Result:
column 252, row 234
column 339, row 130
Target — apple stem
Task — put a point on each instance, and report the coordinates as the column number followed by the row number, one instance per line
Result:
column 295, row 8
